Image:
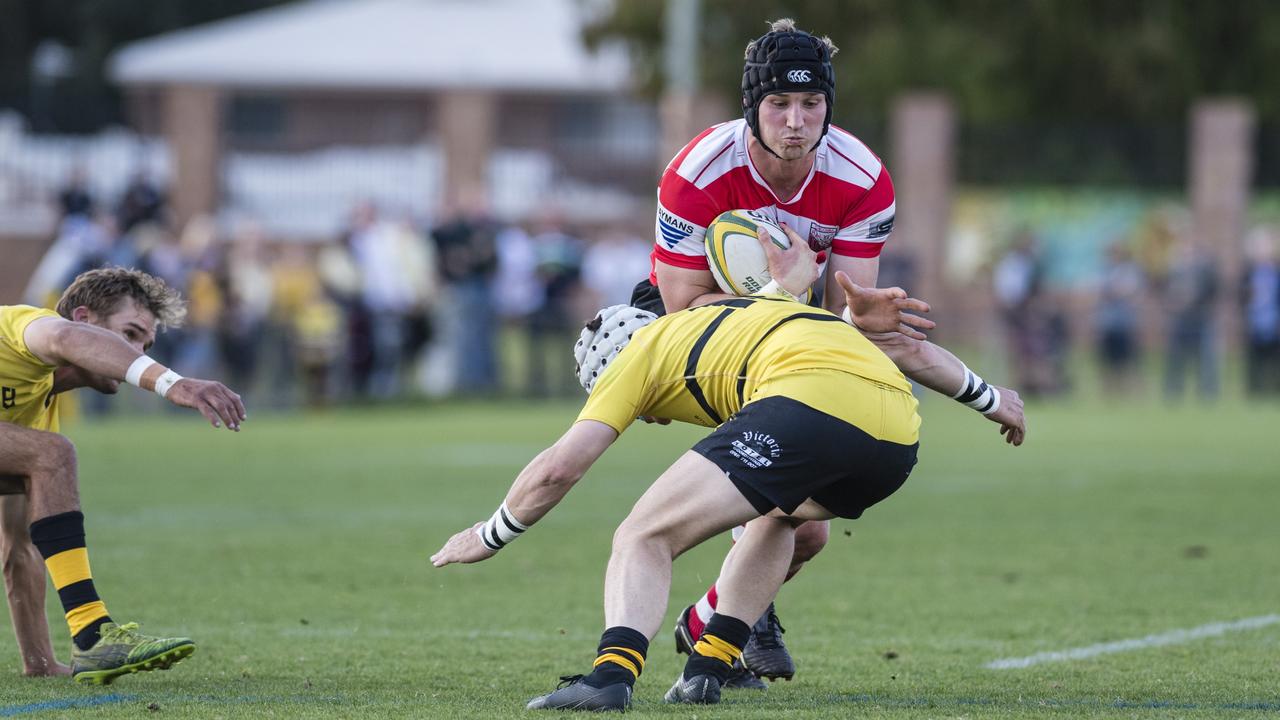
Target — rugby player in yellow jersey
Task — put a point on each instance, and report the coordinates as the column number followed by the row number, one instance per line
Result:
column 97, row 337
column 812, row 422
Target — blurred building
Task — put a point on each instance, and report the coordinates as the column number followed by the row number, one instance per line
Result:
column 293, row 113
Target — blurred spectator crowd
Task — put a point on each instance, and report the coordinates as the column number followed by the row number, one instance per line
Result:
column 397, row 306
column 392, row 306
column 1156, row 288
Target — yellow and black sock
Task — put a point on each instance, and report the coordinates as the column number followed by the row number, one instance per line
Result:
column 720, row 645
column 60, row 540
column 620, row 657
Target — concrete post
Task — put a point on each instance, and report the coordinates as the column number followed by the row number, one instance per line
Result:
column 192, row 125
column 1220, row 173
column 923, row 139
column 467, row 126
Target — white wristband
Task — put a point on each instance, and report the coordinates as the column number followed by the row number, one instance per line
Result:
column 166, row 381
column 500, row 529
column 773, row 288
column 133, row 375
column 847, row 316
column 977, row 394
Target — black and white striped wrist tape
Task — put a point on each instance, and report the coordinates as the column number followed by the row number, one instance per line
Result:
column 500, row 529
column 977, row 394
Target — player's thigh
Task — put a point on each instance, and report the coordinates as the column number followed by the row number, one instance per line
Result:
column 24, row 451
column 690, row 502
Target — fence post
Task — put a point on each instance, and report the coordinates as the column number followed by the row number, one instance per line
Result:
column 923, row 140
column 1220, row 173
column 192, row 126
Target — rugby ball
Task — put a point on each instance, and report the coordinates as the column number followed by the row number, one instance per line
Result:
column 737, row 261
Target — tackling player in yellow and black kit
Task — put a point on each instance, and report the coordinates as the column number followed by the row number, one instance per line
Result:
column 96, row 338
column 812, row 421
column 795, row 394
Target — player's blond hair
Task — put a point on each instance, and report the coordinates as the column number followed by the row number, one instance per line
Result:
column 102, row 290
column 789, row 25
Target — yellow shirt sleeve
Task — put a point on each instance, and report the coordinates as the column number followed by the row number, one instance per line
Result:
column 14, row 320
column 622, row 393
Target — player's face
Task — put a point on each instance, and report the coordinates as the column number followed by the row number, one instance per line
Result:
column 133, row 323
column 790, row 123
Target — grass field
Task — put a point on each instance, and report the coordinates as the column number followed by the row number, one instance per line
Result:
column 295, row 553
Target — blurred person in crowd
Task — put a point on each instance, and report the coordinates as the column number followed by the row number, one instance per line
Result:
column 244, row 281
column 420, row 264
column 397, row 286
column 1018, row 280
column 1260, row 295
column 307, row 328
column 75, row 199
column 82, row 243
column 517, row 292
column 611, row 265
column 142, row 202
column 341, row 281
column 559, row 270
column 1116, row 321
column 466, row 244
column 1189, row 294
column 198, row 245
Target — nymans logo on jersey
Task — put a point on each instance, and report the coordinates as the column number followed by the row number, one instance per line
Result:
column 881, row 230
column 820, row 236
column 673, row 229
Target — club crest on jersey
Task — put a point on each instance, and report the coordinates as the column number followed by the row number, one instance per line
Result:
column 798, row 76
column 672, row 228
column 820, row 236
column 756, row 449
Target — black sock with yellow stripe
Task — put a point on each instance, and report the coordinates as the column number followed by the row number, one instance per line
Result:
column 620, row 657
column 60, row 540
column 720, row 645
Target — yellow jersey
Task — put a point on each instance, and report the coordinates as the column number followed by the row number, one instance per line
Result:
column 703, row 364
column 26, row 381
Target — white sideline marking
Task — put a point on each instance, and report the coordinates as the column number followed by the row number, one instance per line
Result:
column 1173, row 637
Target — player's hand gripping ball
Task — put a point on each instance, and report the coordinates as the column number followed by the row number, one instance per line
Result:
column 737, row 261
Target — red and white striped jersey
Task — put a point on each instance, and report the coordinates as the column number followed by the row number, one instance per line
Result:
column 846, row 204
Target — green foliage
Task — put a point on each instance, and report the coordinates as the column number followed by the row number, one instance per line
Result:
column 1002, row 60
column 295, row 554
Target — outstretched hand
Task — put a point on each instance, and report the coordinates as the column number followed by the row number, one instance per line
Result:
column 463, row 547
column 795, row 268
column 884, row 310
column 1010, row 417
column 212, row 399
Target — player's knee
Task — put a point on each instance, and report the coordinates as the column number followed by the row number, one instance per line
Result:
column 56, row 458
column 811, row 537
column 633, row 535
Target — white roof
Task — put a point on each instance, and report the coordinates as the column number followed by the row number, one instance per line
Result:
column 521, row 45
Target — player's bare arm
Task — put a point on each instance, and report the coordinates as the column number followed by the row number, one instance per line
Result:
column 104, row 354
column 683, row 288
column 537, row 489
column 889, row 319
column 25, row 585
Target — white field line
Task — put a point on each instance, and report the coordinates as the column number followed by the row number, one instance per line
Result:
column 1173, row 637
